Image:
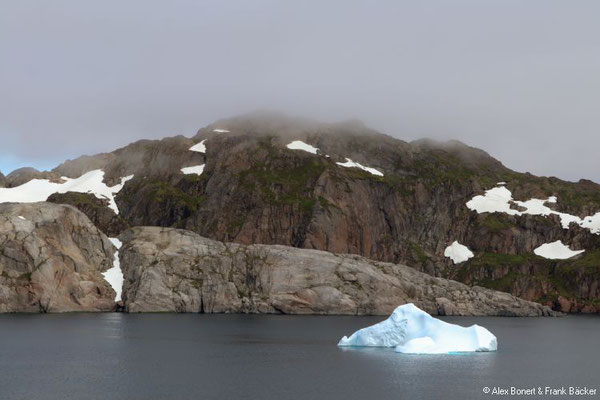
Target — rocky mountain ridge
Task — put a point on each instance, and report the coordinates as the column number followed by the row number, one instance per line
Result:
column 254, row 189
column 53, row 259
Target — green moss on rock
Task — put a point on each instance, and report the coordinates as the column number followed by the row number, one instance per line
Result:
column 284, row 180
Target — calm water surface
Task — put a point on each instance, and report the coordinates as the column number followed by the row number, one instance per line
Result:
column 183, row 356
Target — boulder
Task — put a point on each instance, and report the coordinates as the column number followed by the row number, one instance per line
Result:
column 51, row 260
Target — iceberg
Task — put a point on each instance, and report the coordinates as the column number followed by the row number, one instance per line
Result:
column 412, row 331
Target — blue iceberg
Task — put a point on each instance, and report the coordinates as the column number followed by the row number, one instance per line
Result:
column 411, row 330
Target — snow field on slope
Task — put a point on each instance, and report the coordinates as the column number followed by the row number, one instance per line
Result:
column 114, row 275
column 40, row 189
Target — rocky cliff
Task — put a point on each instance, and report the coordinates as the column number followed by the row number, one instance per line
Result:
column 355, row 190
column 97, row 210
column 168, row 269
column 256, row 190
column 51, row 260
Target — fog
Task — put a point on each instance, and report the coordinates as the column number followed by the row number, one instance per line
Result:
column 518, row 79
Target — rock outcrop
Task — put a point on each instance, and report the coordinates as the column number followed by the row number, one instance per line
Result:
column 95, row 209
column 158, row 158
column 2, row 180
column 168, row 269
column 24, row 175
column 51, row 260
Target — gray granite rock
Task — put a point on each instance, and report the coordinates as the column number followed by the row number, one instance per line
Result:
column 51, row 260
column 169, row 269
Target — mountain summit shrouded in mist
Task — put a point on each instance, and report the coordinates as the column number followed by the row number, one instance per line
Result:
column 518, row 80
column 444, row 208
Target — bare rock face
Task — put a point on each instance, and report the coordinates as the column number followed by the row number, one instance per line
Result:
column 51, row 260
column 256, row 190
column 2, row 180
column 95, row 209
column 158, row 158
column 167, row 269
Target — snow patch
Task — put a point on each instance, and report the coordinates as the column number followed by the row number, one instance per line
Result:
column 351, row 164
column 556, row 251
column 499, row 199
column 411, row 330
column 494, row 200
column 114, row 275
column 39, row 189
column 199, row 147
column 220, row 130
column 458, row 252
column 592, row 223
column 300, row 145
column 21, row 217
column 197, row 169
column 501, row 183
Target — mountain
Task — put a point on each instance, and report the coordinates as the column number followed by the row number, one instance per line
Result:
column 266, row 178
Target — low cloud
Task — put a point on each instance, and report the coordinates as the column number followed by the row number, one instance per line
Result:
column 518, row 79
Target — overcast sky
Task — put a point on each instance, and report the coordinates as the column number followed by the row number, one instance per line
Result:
column 519, row 79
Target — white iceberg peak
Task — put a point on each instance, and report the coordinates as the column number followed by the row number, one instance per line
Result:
column 199, row 147
column 458, row 252
column 556, row 251
column 413, row 331
column 196, row 169
column 351, row 164
column 300, row 145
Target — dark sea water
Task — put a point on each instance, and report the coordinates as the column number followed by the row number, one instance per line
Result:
column 183, row 356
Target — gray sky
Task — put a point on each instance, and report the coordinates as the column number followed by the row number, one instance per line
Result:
column 519, row 79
